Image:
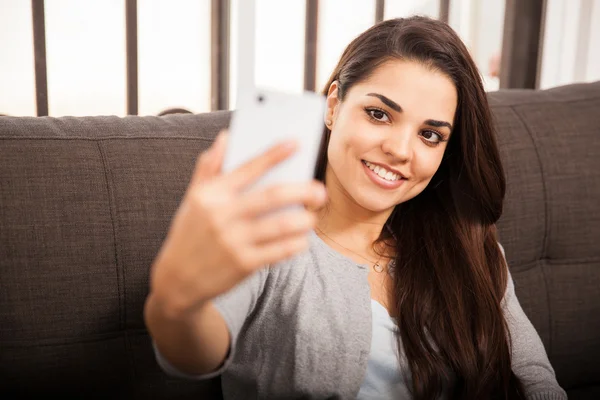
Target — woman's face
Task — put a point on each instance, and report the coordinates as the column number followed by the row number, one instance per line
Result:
column 389, row 134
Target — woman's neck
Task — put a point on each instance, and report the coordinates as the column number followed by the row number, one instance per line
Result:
column 348, row 224
column 348, row 229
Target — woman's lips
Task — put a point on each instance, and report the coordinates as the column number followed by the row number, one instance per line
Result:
column 379, row 181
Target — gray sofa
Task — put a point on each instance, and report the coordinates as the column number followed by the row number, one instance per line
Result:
column 86, row 202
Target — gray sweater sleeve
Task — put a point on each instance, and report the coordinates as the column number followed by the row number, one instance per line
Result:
column 529, row 359
column 235, row 306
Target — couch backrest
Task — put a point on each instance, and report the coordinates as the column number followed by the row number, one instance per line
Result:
column 86, row 202
column 550, row 228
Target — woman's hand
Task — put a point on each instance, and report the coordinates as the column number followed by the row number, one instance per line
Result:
column 219, row 234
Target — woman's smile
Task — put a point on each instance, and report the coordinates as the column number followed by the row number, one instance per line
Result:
column 383, row 177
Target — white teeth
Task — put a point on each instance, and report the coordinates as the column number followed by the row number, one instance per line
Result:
column 382, row 172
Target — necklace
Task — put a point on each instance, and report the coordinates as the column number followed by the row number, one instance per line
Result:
column 376, row 266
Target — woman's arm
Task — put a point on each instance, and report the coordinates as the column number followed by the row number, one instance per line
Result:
column 202, row 345
column 189, row 345
column 221, row 236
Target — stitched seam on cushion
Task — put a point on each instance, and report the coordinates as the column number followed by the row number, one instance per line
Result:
column 543, row 175
column 122, row 291
column 546, row 224
column 120, row 288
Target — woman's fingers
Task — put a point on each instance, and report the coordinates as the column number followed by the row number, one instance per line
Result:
column 208, row 164
column 280, row 225
column 251, row 171
column 261, row 201
column 279, row 250
column 218, row 153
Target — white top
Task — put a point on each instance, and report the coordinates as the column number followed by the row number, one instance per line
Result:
column 384, row 379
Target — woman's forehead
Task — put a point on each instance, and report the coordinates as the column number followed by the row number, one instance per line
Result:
column 416, row 87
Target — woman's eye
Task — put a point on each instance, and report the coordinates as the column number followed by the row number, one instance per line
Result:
column 378, row 115
column 431, row 136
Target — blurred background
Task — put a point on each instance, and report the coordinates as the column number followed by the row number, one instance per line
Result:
column 151, row 57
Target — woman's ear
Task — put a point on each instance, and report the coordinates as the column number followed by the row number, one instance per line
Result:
column 332, row 103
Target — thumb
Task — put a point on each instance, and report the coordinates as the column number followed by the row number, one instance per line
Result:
column 209, row 163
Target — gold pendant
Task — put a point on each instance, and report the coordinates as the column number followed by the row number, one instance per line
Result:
column 377, row 267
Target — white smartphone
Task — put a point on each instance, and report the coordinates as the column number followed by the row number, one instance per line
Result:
column 264, row 118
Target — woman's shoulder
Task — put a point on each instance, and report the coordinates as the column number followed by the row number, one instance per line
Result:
column 302, row 262
column 318, row 258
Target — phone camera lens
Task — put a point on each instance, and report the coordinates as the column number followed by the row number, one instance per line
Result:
column 261, row 98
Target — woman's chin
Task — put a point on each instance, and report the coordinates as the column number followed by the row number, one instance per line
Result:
column 374, row 204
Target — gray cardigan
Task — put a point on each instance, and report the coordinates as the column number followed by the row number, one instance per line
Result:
column 302, row 329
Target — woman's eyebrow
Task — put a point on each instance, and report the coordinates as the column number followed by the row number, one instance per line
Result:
column 438, row 124
column 395, row 106
column 388, row 102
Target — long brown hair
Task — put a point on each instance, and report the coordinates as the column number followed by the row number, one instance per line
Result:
column 450, row 275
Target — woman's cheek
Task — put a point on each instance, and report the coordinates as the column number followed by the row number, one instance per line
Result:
column 426, row 164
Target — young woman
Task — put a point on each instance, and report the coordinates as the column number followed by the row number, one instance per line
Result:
column 391, row 286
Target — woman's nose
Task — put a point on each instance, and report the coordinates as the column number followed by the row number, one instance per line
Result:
column 399, row 145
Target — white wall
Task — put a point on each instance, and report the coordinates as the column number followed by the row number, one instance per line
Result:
column 173, row 55
column 85, row 55
column 280, row 44
column 480, row 26
column 17, row 78
column 571, row 42
column 340, row 21
column 86, row 48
